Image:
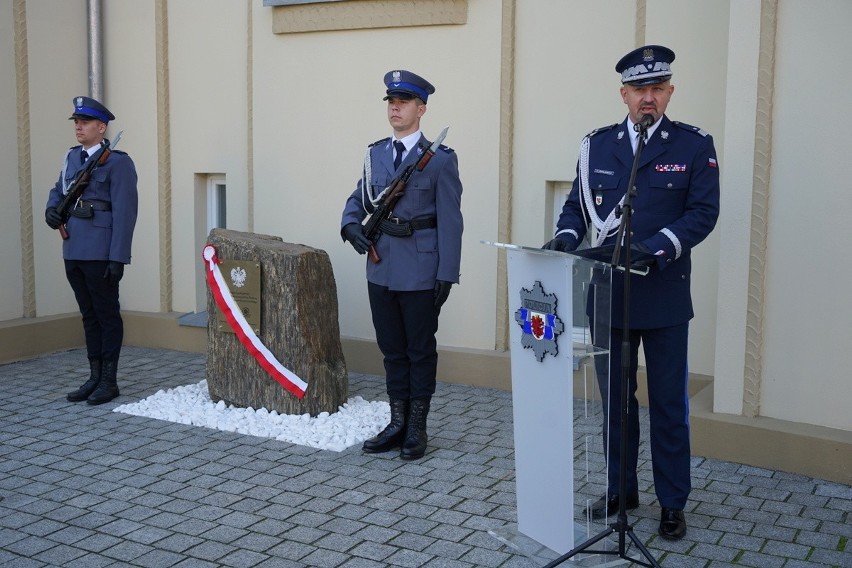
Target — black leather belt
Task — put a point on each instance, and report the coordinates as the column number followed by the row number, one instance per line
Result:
column 96, row 205
column 86, row 209
column 401, row 228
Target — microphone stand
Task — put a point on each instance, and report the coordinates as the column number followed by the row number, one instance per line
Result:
column 621, row 526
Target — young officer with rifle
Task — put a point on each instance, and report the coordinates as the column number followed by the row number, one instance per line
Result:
column 94, row 205
column 411, row 190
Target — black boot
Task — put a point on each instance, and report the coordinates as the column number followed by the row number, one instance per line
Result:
column 391, row 436
column 107, row 388
column 414, row 445
column 89, row 386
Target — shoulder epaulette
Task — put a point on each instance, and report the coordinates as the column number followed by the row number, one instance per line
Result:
column 446, row 149
column 377, row 142
column 77, row 146
column 602, row 129
column 690, row 128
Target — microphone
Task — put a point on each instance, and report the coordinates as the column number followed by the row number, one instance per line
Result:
column 644, row 123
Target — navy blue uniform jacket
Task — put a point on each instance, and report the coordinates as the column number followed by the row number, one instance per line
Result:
column 108, row 234
column 415, row 262
column 676, row 208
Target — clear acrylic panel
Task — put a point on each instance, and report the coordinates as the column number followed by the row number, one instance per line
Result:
column 578, row 371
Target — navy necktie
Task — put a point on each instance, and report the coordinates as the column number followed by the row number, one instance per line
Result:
column 83, row 156
column 400, row 148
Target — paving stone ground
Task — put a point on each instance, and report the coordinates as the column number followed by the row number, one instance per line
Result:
column 82, row 486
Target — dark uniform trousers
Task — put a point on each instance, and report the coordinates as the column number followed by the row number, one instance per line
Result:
column 406, row 323
column 666, row 364
column 98, row 302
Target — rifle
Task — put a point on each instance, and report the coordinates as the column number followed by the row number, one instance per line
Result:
column 392, row 194
column 78, row 186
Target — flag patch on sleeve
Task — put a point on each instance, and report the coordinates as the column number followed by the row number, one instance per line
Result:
column 712, row 163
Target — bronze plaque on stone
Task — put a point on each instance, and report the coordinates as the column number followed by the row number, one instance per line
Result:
column 243, row 280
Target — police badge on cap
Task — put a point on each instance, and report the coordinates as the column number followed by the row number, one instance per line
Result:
column 647, row 65
column 86, row 108
column 407, row 85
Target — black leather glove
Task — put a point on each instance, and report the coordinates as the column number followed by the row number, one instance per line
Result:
column 641, row 251
column 52, row 217
column 113, row 273
column 442, row 292
column 557, row 244
column 641, row 255
column 354, row 233
column 640, row 248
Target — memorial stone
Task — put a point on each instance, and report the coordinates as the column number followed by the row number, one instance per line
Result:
column 299, row 326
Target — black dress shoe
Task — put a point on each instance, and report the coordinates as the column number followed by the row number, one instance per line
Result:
column 604, row 507
column 672, row 524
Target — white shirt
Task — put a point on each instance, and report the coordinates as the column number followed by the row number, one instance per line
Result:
column 409, row 142
column 634, row 136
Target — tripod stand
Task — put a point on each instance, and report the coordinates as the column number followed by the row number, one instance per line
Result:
column 622, row 243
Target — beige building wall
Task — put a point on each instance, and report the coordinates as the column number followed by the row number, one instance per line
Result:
column 808, row 258
column 207, row 87
column 130, row 78
column 11, row 281
column 783, row 298
column 208, row 129
column 56, row 52
column 734, row 226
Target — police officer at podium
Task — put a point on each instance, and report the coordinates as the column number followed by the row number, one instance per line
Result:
column 674, row 209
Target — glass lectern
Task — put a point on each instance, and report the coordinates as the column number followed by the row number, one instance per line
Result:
column 559, row 319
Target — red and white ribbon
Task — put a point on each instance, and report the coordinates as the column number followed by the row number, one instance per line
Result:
column 225, row 300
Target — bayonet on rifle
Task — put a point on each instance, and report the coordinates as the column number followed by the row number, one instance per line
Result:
column 393, row 192
column 78, row 186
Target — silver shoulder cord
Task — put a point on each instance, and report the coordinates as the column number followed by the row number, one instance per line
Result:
column 601, row 229
column 365, row 192
column 62, row 173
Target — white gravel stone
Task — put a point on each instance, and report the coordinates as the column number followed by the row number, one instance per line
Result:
column 353, row 422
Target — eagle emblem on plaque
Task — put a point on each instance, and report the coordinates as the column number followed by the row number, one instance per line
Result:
column 238, row 276
column 539, row 322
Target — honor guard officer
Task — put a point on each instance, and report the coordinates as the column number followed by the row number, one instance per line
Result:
column 675, row 208
column 420, row 251
column 100, row 229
